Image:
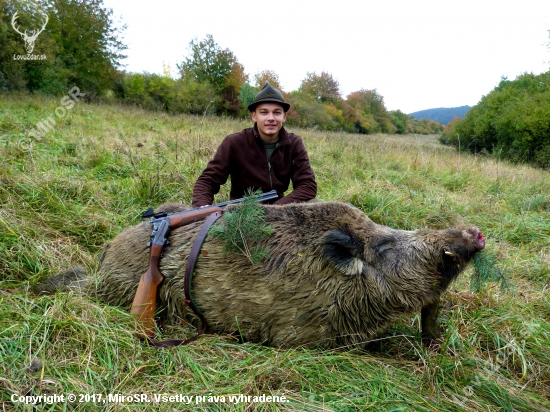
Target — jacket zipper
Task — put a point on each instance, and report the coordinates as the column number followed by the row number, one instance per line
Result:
column 269, row 167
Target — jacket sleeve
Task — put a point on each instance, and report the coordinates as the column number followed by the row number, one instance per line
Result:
column 303, row 177
column 216, row 173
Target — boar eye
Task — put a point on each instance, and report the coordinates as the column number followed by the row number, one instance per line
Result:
column 343, row 252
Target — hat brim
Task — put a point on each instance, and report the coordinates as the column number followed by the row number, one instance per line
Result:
column 252, row 106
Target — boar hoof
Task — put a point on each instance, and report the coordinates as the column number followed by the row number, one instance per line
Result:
column 430, row 322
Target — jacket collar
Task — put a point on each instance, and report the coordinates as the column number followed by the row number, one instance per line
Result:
column 283, row 135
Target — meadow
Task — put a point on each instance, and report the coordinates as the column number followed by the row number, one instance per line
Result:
column 64, row 195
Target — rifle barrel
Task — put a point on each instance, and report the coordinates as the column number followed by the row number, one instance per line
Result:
column 264, row 197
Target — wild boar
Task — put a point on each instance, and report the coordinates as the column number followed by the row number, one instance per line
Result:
column 332, row 277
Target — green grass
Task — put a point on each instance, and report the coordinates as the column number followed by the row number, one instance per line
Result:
column 64, row 196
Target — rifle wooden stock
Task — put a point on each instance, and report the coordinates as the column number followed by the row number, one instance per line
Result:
column 145, row 300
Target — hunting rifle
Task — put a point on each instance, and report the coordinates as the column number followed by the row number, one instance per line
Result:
column 145, row 300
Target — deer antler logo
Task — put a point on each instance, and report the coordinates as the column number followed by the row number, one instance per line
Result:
column 30, row 37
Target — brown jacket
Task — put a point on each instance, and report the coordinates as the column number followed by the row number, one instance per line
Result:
column 242, row 156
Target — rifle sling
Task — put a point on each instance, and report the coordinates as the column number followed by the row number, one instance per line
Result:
column 189, row 269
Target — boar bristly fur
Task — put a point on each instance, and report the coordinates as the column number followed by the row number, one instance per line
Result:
column 333, row 277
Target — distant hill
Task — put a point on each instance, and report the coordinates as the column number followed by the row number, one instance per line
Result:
column 443, row 115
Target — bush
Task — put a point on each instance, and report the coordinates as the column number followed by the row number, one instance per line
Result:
column 400, row 120
column 134, row 90
column 512, row 122
column 305, row 112
column 156, row 92
column 195, row 98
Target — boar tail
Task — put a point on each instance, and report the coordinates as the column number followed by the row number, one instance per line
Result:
column 75, row 279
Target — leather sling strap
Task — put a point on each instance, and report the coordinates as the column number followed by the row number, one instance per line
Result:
column 189, row 269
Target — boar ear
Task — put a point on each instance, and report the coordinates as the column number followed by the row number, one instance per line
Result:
column 343, row 252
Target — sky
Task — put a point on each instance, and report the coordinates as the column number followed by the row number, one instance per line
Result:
column 417, row 54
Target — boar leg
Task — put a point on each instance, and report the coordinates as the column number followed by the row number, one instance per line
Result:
column 430, row 321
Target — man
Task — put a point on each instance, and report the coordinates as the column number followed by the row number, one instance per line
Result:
column 264, row 157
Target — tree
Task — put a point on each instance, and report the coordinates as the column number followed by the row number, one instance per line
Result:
column 371, row 114
column 233, row 85
column 87, row 42
column 368, row 101
column 246, row 97
column 264, row 76
column 209, row 63
column 322, row 88
column 400, row 120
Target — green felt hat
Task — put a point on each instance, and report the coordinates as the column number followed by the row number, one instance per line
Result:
column 268, row 94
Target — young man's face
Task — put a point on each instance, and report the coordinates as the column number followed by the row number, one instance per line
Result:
column 270, row 118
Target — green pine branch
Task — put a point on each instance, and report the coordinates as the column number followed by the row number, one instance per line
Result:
column 243, row 228
column 485, row 271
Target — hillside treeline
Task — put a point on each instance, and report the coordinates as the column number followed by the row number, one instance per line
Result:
column 81, row 47
column 511, row 122
column 443, row 115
